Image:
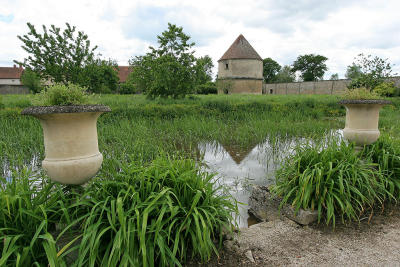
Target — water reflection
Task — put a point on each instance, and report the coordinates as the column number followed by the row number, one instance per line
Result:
column 237, row 167
column 33, row 166
column 240, row 168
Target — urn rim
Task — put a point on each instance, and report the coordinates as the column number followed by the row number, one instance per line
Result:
column 38, row 110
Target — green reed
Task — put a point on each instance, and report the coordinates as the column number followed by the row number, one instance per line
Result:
column 338, row 182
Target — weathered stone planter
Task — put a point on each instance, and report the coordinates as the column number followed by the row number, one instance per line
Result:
column 70, row 141
column 362, row 117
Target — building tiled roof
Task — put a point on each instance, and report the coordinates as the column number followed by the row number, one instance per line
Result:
column 240, row 49
column 123, row 72
column 11, row 72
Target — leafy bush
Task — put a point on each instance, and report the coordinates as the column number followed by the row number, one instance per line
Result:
column 157, row 215
column 127, row 88
column 369, row 71
column 168, row 70
column 31, row 79
column 207, row 88
column 62, row 95
column 385, row 89
column 1, row 102
column 333, row 180
column 361, row 93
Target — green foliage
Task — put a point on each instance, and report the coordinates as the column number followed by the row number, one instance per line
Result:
column 360, row 93
column 156, row 215
column 60, row 94
column 312, row 67
column 206, row 88
column 373, row 71
column 353, row 72
column 168, row 70
column 386, row 153
column 127, row 88
column 203, row 70
column 100, row 77
column 334, row 180
column 31, row 79
column 385, row 89
column 334, row 77
column 285, row 75
column 29, row 209
column 57, row 55
column 270, row 70
column 1, row 102
column 67, row 56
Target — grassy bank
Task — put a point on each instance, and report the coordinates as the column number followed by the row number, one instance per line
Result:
column 140, row 128
column 148, row 197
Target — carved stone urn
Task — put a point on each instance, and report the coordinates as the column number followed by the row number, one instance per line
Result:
column 362, row 118
column 70, row 140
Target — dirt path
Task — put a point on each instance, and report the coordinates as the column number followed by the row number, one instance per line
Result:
column 283, row 242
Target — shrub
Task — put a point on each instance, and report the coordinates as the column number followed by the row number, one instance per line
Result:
column 63, row 95
column 1, row 102
column 207, row 88
column 31, row 79
column 385, row 89
column 127, row 88
column 361, row 93
column 333, row 180
column 157, row 215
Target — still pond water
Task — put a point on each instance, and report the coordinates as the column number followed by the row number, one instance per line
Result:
column 241, row 168
column 235, row 167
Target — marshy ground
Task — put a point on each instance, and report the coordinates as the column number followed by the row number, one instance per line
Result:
column 138, row 130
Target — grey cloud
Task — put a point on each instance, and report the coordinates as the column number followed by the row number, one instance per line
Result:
column 284, row 16
column 147, row 22
column 381, row 37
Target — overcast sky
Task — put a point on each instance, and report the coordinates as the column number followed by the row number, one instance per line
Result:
column 280, row 29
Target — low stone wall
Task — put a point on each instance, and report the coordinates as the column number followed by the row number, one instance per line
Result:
column 240, row 86
column 13, row 89
column 331, row 87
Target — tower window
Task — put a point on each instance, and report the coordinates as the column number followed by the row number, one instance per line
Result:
column 226, row 66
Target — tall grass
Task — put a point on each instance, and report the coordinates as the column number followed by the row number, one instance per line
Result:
column 141, row 128
column 158, row 215
column 30, row 207
column 337, row 182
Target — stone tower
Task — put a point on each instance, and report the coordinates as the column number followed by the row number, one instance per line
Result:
column 240, row 69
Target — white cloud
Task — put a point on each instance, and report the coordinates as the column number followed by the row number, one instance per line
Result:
column 282, row 30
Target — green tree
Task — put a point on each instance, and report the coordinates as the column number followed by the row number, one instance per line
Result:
column 285, row 75
column 334, row 76
column 203, row 70
column 170, row 69
column 100, row 76
column 66, row 56
column 128, row 87
column 57, row 55
column 353, row 72
column 31, row 79
column 374, row 71
column 271, row 69
column 312, row 67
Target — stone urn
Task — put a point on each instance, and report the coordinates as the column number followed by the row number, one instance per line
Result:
column 362, row 117
column 70, row 140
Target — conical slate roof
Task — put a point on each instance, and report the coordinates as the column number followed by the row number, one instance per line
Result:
column 240, row 49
